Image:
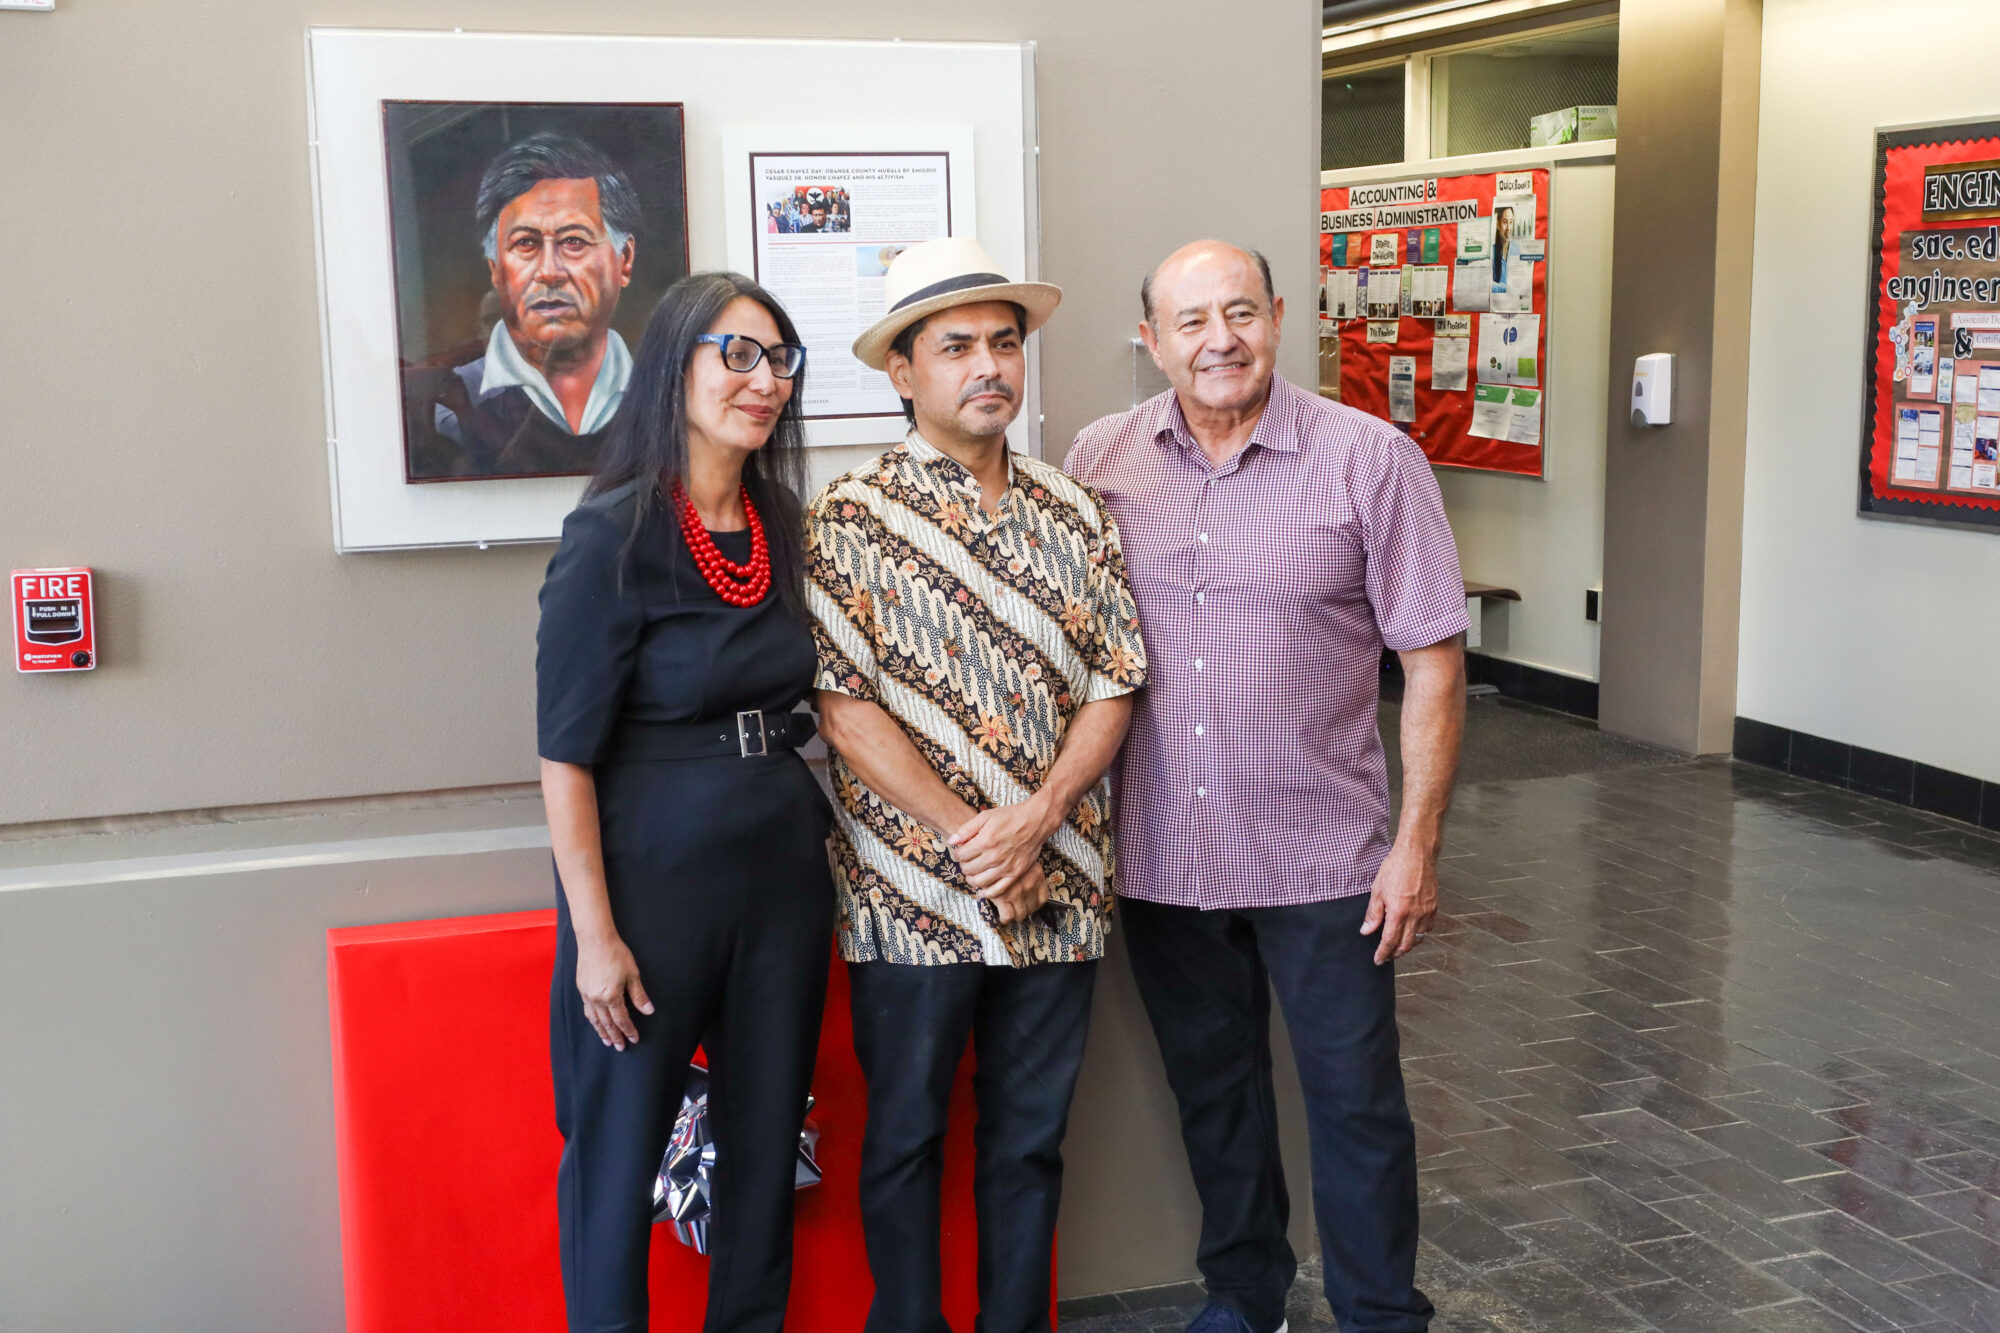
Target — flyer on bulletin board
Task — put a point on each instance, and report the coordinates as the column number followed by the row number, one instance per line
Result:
column 1930, row 440
column 1437, row 302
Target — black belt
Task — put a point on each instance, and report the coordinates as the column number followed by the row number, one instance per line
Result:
column 748, row 735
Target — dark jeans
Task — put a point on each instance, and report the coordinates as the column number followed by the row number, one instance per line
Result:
column 911, row 1025
column 1206, row 978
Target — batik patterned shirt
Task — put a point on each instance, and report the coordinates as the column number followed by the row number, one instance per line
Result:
column 982, row 635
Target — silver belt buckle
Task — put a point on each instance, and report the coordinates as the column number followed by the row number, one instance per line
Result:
column 743, row 721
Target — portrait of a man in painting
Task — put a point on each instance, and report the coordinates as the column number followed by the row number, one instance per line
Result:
column 531, row 242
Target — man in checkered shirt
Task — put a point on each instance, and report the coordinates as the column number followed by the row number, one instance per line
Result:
column 1275, row 543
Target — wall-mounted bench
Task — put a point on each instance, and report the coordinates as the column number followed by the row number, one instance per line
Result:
column 1476, row 597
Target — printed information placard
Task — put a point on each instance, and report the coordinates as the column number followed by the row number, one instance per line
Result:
column 1434, row 294
column 1930, row 436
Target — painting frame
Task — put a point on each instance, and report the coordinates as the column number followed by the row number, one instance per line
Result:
column 350, row 71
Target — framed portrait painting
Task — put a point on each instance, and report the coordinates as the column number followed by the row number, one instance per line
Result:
column 496, row 215
column 531, row 239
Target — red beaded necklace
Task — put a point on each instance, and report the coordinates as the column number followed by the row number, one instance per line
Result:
column 738, row 585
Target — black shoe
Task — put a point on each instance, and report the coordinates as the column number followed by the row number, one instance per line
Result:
column 1219, row 1318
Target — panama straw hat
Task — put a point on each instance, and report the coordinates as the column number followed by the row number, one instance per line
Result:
column 937, row 275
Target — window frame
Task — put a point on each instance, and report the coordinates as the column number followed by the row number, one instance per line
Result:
column 1421, row 113
column 1369, row 67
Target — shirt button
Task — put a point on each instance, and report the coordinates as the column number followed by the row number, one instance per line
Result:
column 1201, row 597
column 1204, row 538
column 1197, row 731
column 1197, row 664
column 1201, row 791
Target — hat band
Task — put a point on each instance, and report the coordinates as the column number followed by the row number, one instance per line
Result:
column 949, row 285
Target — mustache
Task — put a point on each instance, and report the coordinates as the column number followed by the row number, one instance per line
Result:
column 977, row 387
column 537, row 295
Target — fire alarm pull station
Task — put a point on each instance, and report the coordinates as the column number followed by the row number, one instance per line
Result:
column 54, row 622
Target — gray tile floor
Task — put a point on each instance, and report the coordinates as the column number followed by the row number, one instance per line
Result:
column 1699, row 1047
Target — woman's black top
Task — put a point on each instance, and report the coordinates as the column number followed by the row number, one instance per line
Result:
column 657, row 645
column 632, row 637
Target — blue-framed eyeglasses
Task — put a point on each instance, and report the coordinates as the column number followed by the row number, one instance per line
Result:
column 741, row 354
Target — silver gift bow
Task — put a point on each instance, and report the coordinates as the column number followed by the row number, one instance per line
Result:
column 683, row 1191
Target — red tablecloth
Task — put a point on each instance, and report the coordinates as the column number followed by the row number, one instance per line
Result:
column 447, row 1144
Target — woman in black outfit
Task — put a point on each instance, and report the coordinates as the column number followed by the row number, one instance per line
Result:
column 693, row 900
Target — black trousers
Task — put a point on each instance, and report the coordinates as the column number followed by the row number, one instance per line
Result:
column 748, row 986
column 1206, row 978
column 1027, row 1028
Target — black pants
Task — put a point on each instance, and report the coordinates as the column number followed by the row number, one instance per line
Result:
column 1027, row 1027
column 750, row 987
column 1206, row 979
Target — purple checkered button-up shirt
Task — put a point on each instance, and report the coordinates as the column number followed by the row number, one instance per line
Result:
column 1253, row 775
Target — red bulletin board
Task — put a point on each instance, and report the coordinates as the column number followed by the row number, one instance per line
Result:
column 1930, row 434
column 1491, row 418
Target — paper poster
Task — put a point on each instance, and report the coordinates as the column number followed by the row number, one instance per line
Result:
column 1966, row 391
column 1989, row 389
column 1428, row 290
column 1923, row 358
column 1475, row 239
column 826, row 261
column 1507, row 346
column 1452, row 326
column 1431, row 245
column 1384, row 297
column 1492, row 412
column 1384, row 330
column 1534, row 251
column 1382, row 250
column 1408, row 292
column 1918, row 445
column 1343, row 294
column 1946, row 368
column 1513, row 208
column 1524, row 421
column 1472, row 285
column 1906, row 428
column 1450, row 363
column 1402, row 388
column 1338, row 244
column 1985, row 476
column 1513, row 283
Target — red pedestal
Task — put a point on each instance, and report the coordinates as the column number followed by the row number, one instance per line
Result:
column 445, row 1120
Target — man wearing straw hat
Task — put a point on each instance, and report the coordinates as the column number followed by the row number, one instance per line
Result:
column 978, row 651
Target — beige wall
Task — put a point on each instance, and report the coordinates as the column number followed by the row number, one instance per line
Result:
column 1903, row 610
column 160, row 378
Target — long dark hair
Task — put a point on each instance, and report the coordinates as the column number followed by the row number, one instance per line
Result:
column 648, row 441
